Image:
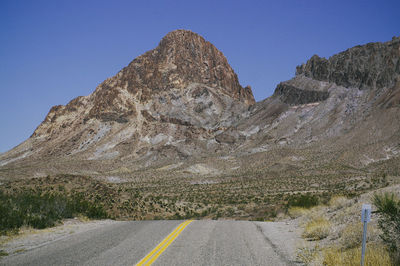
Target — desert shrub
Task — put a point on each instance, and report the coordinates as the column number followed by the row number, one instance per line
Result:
column 351, row 236
column 42, row 210
column 303, row 200
column 317, row 228
column 295, row 212
column 376, row 255
column 388, row 208
column 338, row 202
column 307, row 254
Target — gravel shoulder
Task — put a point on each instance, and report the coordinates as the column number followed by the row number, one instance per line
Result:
column 284, row 237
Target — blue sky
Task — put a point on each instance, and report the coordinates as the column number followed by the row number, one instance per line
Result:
column 54, row 51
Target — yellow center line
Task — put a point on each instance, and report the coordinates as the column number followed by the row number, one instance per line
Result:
column 160, row 248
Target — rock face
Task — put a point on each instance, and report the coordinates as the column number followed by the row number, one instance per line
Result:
column 183, row 58
column 294, row 96
column 374, row 65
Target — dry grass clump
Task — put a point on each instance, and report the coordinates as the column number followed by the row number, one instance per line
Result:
column 376, row 255
column 295, row 212
column 308, row 254
column 317, row 228
column 351, row 236
column 340, row 220
column 338, row 202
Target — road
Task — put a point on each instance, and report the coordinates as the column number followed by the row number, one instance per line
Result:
column 204, row 242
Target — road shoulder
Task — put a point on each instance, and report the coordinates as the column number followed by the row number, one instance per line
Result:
column 284, row 237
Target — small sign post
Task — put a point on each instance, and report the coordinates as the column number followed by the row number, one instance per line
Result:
column 365, row 218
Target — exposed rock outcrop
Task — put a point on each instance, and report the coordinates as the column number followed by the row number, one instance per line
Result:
column 182, row 58
column 295, row 96
column 374, row 65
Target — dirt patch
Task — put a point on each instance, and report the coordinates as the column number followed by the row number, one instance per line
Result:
column 201, row 169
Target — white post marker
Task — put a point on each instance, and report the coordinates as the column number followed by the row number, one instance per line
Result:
column 365, row 218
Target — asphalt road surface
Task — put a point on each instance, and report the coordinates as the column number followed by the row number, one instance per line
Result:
column 202, row 242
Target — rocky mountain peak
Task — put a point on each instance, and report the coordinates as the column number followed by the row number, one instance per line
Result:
column 181, row 36
column 180, row 91
column 183, row 58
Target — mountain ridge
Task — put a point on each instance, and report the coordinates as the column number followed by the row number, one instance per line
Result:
column 182, row 102
column 375, row 65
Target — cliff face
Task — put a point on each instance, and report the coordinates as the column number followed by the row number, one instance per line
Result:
column 370, row 66
column 293, row 95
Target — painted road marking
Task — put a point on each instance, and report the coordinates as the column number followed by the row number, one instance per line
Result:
column 160, row 248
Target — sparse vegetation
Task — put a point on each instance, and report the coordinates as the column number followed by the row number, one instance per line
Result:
column 295, row 212
column 388, row 207
column 317, row 228
column 376, row 255
column 257, row 190
column 341, row 244
column 303, row 200
column 351, row 236
column 248, row 193
column 42, row 210
column 307, row 254
column 337, row 202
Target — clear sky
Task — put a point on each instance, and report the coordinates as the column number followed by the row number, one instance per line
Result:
column 53, row 51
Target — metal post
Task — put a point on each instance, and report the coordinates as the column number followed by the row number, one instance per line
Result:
column 365, row 218
column 364, row 240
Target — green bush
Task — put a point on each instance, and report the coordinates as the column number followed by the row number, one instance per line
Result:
column 42, row 210
column 304, row 200
column 388, row 207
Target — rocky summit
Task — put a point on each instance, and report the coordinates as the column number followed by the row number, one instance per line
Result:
column 163, row 102
column 178, row 114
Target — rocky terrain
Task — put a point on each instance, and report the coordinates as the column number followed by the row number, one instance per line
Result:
column 170, row 101
column 174, row 133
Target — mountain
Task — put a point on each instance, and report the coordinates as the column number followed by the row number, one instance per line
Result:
column 176, row 124
column 348, row 101
column 167, row 102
